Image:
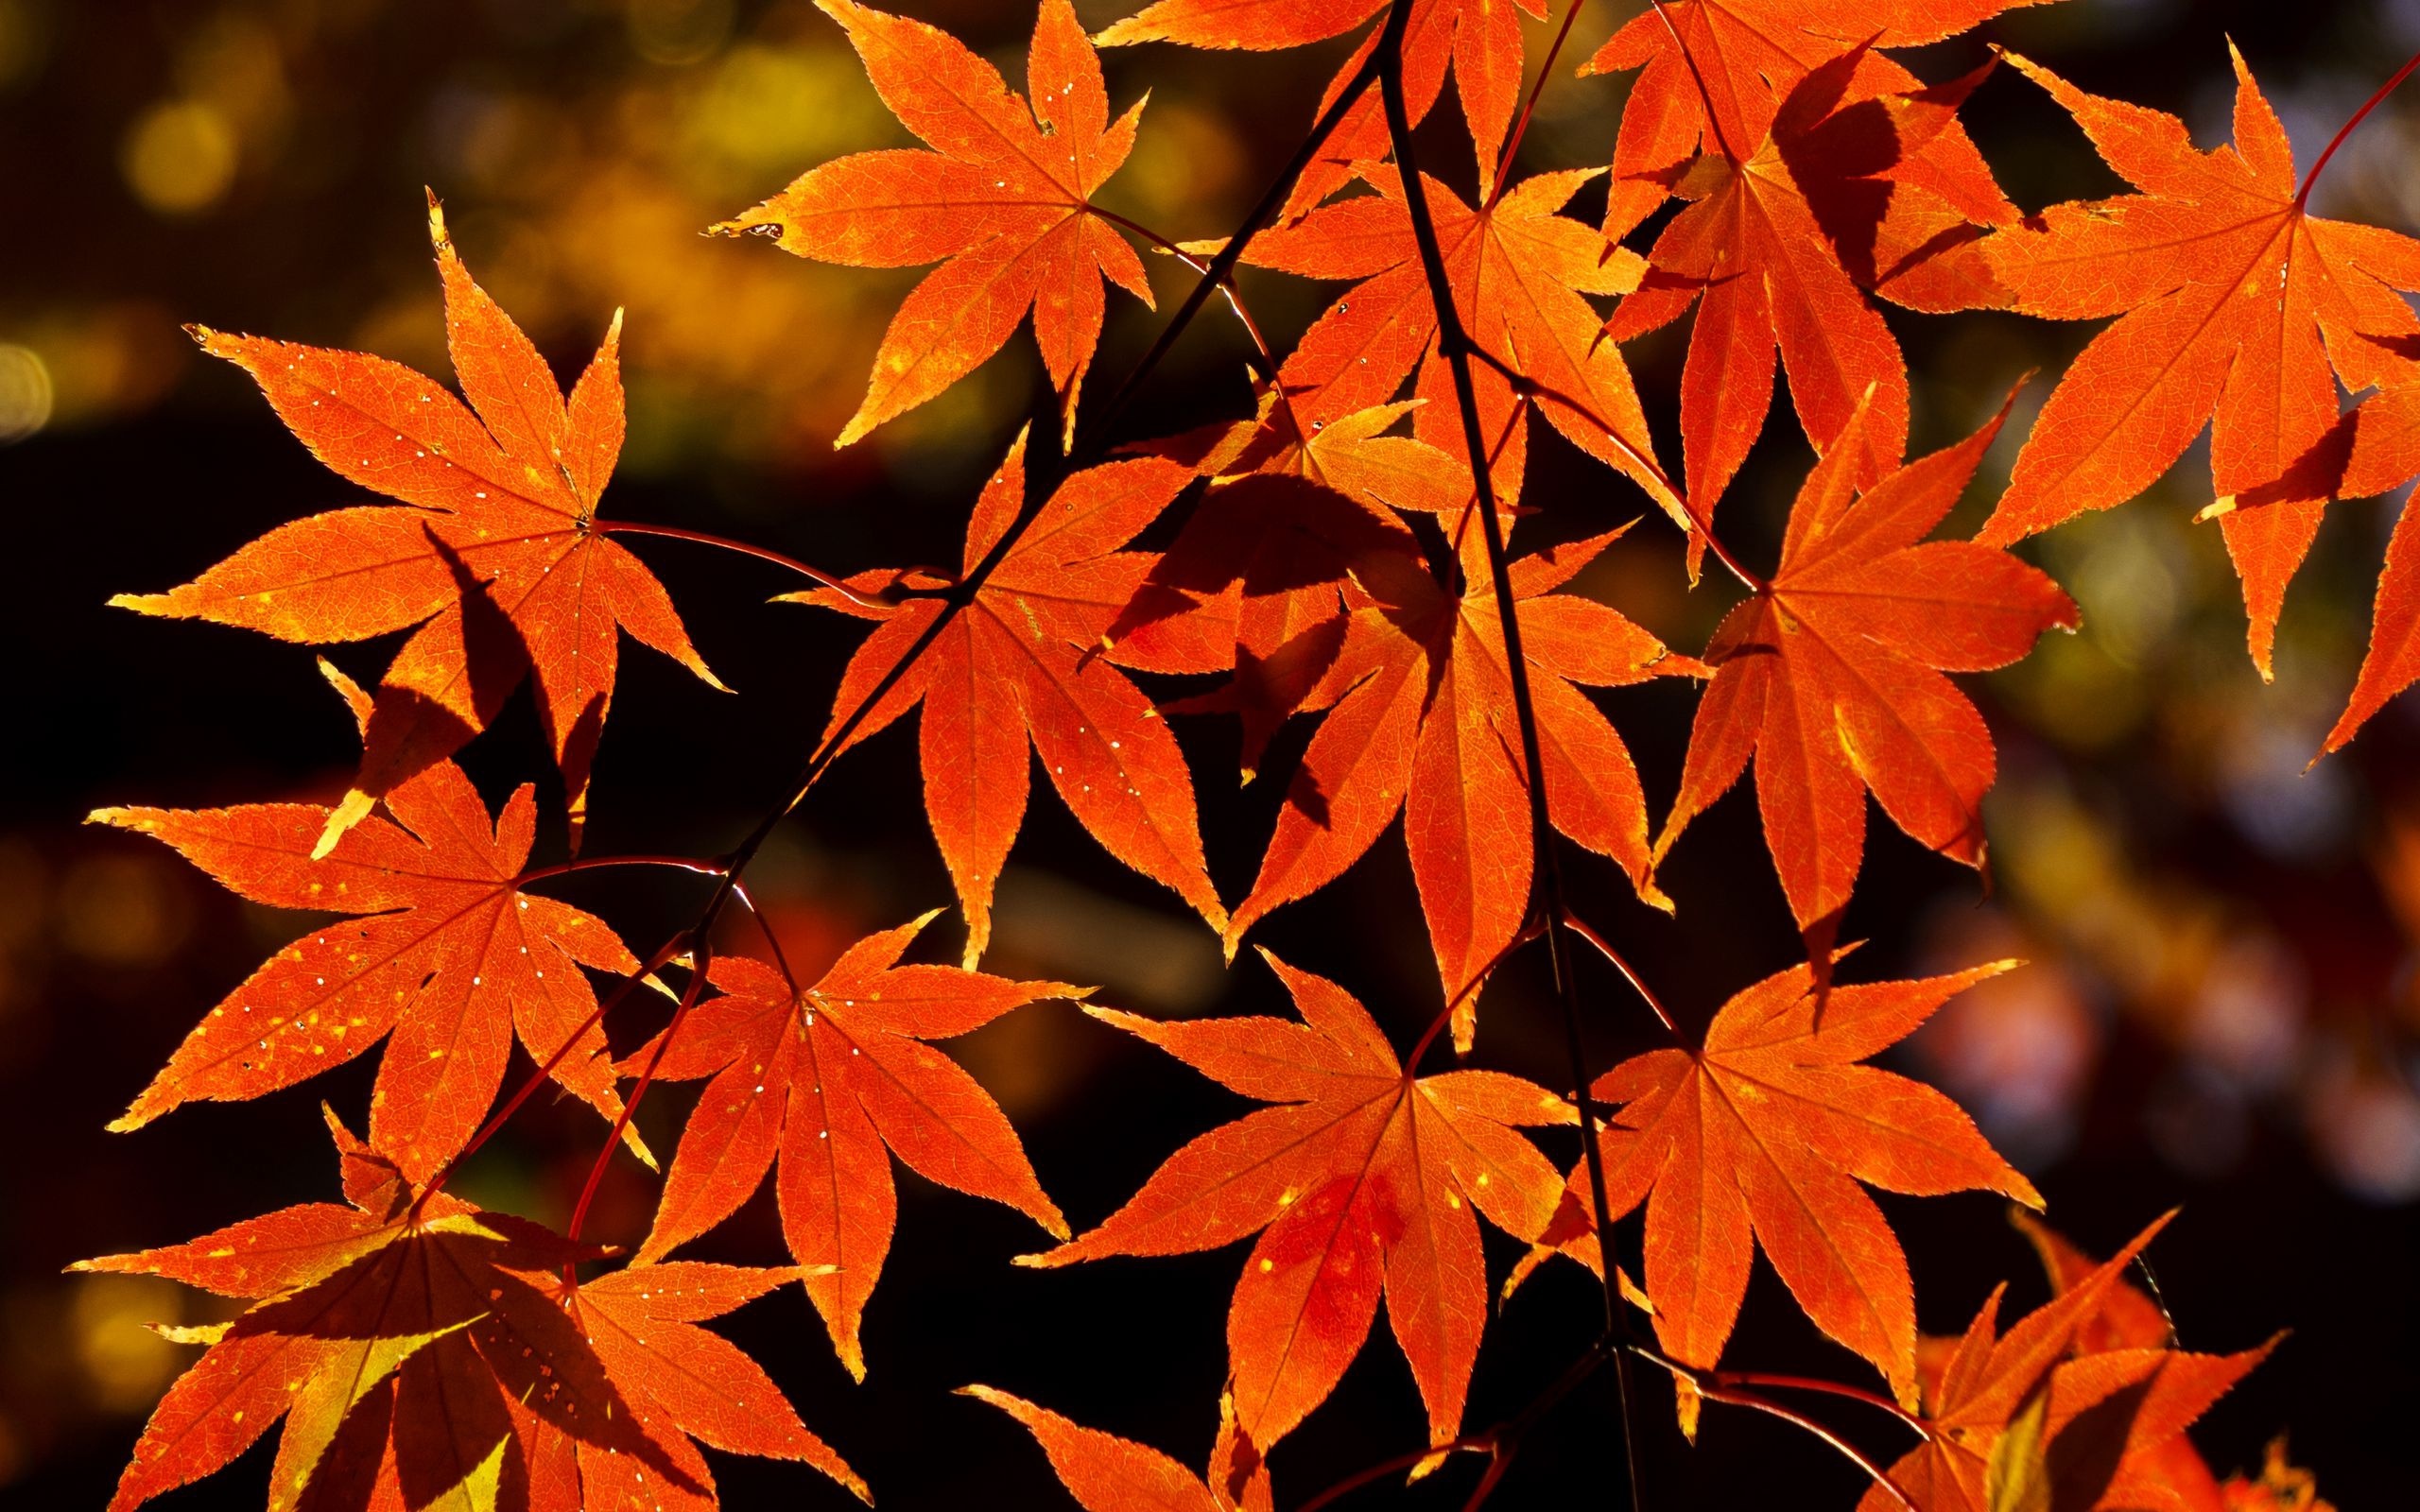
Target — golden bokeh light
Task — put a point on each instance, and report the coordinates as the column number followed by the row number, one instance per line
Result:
column 25, row 392
column 179, row 158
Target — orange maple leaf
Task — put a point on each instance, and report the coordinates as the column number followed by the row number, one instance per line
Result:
column 1830, row 676
column 825, row 1079
column 1362, row 1180
column 500, row 560
column 418, row 1349
column 1025, row 660
column 2216, row 257
column 1417, row 719
column 1106, row 1473
column 2373, row 449
column 1477, row 41
column 1740, row 58
column 1003, row 204
column 1760, row 1137
column 2082, row 1404
column 1518, row 269
column 1763, row 247
column 442, row 949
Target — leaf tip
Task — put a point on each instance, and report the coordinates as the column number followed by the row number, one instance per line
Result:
column 158, row 604
column 2221, row 505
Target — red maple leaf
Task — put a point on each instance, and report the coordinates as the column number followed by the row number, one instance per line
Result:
column 825, row 1080
column 1830, row 676
column 1362, row 1180
column 441, row 948
column 1417, row 720
column 1025, row 661
column 500, row 559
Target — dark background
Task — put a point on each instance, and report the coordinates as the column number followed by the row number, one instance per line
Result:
column 2221, row 1014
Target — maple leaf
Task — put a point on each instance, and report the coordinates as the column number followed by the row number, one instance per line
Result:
column 1740, row 59
column 441, row 949
column 1003, row 204
column 1477, row 41
column 1106, row 1473
column 1763, row 247
column 1760, row 1137
column 1363, row 1179
column 2215, row 261
column 1830, row 676
column 1418, row 706
column 825, row 1079
column 1519, row 269
column 1025, row 660
column 2082, row 1404
column 500, row 559
column 421, row 1350
column 2373, row 449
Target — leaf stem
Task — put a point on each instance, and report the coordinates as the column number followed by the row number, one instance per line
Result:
column 691, row 864
column 1709, row 1385
column 629, row 527
column 1578, row 926
column 1830, row 1388
column 1234, row 301
column 631, row 1105
column 1546, row 875
column 1523, row 382
column 538, row 1078
column 2301, row 196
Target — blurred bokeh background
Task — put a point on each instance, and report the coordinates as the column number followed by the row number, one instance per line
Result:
column 2221, row 1011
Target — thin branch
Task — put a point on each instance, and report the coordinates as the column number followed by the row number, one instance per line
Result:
column 1706, row 1384
column 2301, row 196
column 1578, row 926
column 536, row 1079
column 1531, row 929
column 1499, row 1443
column 1547, row 876
column 1224, row 265
column 631, row 1105
column 1236, row 302
column 629, row 527
column 1697, row 520
column 1473, row 1443
column 690, row 864
column 1521, row 127
column 1830, row 1388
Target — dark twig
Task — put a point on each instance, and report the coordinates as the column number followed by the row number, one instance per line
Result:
column 1546, row 875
